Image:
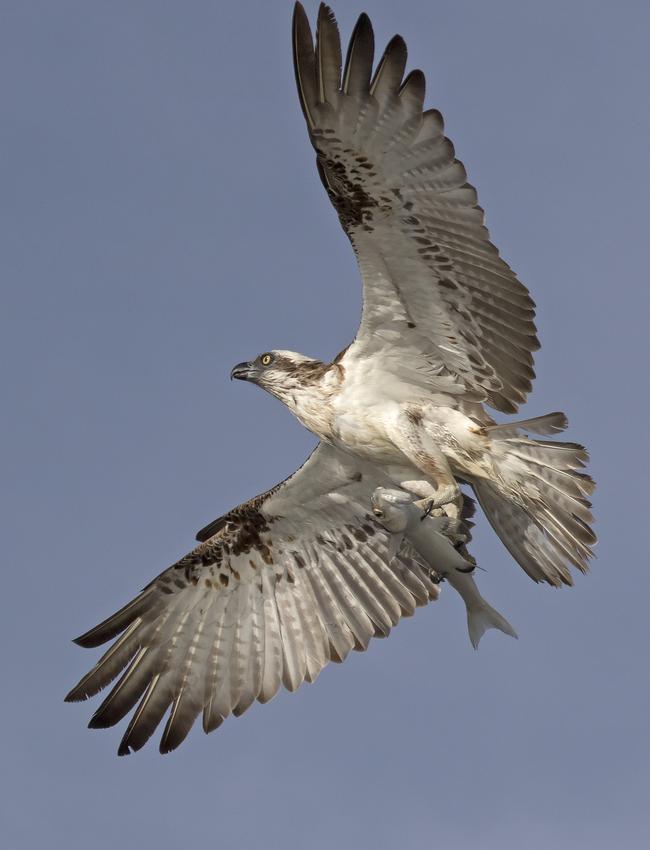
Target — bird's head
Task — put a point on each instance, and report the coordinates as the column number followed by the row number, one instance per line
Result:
column 281, row 373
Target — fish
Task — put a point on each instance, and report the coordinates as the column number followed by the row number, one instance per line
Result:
column 433, row 539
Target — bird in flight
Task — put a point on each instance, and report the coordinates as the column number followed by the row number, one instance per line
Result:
column 304, row 573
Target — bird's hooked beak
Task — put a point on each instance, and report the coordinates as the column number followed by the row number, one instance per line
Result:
column 243, row 372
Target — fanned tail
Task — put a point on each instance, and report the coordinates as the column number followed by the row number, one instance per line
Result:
column 538, row 503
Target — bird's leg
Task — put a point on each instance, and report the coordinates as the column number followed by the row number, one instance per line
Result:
column 447, row 499
column 423, row 451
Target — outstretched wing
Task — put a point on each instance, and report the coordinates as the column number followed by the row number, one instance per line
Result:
column 438, row 301
column 293, row 579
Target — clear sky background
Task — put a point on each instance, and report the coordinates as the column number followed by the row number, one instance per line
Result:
column 161, row 220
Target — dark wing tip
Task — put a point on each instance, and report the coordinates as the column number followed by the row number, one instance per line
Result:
column 363, row 27
column 74, row 696
column 180, row 721
column 388, row 75
column 91, row 638
column 359, row 57
column 299, row 24
column 298, row 9
column 211, row 529
column 304, row 63
column 112, row 626
column 99, row 635
column 171, row 741
column 98, row 721
column 414, row 80
column 328, row 56
column 396, row 43
column 324, row 9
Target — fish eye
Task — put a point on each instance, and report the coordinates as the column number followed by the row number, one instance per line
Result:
column 266, row 359
column 377, row 512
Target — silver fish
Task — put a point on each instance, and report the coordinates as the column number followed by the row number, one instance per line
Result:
column 432, row 538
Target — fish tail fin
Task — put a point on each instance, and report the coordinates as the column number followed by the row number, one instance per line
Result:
column 482, row 617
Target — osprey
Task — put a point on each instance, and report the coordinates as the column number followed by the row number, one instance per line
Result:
column 304, row 573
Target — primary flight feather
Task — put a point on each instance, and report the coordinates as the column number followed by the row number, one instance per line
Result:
column 304, row 573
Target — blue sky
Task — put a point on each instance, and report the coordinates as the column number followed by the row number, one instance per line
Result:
column 161, row 220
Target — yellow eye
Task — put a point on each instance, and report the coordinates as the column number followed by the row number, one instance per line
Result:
column 266, row 359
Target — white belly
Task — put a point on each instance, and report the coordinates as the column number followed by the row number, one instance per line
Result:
column 373, row 429
column 364, row 434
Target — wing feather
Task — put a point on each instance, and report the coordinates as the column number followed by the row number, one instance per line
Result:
column 110, row 664
column 328, row 56
column 355, row 617
column 291, row 580
column 305, row 64
column 358, row 63
column 340, row 636
column 244, row 684
column 212, row 718
column 272, row 675
column 313, row 630
column 125, row 693
column 147, row 716
column 388, row 76
column 293, row 641
column 441, row 309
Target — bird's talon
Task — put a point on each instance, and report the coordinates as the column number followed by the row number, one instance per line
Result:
column 427, row 510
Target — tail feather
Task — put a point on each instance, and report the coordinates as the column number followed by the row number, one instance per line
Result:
column 537, row 502
column 551, row 423
column 565, row 493
column 522, row 537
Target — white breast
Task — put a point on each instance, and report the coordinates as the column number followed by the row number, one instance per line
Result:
column 364, row 429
